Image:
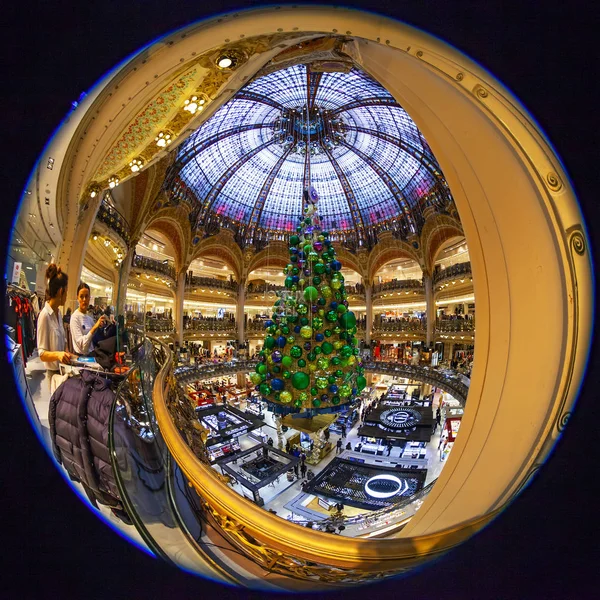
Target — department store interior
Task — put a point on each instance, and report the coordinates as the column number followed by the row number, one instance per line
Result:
column 186, row 232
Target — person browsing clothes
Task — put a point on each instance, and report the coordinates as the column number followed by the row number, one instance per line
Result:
column 82, row 325
column 51, row 340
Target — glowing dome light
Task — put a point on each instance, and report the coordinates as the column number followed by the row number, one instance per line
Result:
column 397, row 486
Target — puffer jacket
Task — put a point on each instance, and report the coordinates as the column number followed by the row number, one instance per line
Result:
column 78, row 417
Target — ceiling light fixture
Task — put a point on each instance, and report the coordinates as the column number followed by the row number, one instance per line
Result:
column 163, row 139
column 113, row 182
column 136, row 164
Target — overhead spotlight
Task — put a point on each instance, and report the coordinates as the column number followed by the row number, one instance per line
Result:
column 113, row 182
column 154, row 247
column 94, row 236
column 107, row 242
column 136, row 164
column 94, row 190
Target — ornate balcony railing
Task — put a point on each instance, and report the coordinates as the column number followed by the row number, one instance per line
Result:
column 113, row 219
column 263, row 288
column 455, row 325
column 399, row 284
column 210, row 282
column 391, row 326
column 159, row 325
column 161, row 268
column 255, row 326
column 457, row 271
column 209, row 324
column 445, row 379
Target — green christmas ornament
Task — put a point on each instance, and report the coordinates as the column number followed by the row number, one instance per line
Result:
column 311, row 294
column 269, row 342
column 317, row 349
column 338, row 344
column 317, row 323
column 288, row 282
column 286, row 374
column 316, row 281
column 336, row 284
column 321, row 383
column 303, row 396
column 341, row 309
column 361, row 383
column 322, row 363
column 346, row 351
column 301, row 363
column 327, row 347
column 255, row 378
column 298, row 403
column 311, row 356
column 291, row 339
column 265, row 389
column 285, row 397
column 338, row 372
column 335, row 400
column 331, row 316
column 294, row 240
column 327, row 333
column 319, row 268
column 316, row 402
column 312, row 257
column 302, row 309
column 325, row 291
column 331, row 380
column 296, row 351
column 314, row 391
column 261, row 368
column 344, row 391
column 336, row 360
column 300, row 380
column 348, row 320
column 304, row 321
column 286, row 361
column 321, row 301
column 306, row 332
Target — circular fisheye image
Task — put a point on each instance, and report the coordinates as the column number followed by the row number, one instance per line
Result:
column 241, row 296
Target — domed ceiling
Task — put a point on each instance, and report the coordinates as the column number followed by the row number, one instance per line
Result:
column 341, row 132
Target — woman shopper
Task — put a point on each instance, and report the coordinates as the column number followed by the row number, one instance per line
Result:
column 82, row 323
column 51, row 341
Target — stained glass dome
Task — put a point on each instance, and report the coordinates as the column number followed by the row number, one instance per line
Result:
column 342, row 132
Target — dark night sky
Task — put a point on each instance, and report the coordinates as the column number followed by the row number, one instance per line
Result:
column 542, row 546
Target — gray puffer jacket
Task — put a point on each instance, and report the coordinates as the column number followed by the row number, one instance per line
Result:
column 79, row 417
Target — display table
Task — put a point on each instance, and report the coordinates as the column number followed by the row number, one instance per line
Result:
column 321, row 454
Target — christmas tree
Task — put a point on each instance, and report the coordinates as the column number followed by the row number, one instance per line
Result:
column 310, row 358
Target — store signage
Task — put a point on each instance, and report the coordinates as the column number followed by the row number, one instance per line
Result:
column 16, row 274
column 400, row 418
column 385, row 486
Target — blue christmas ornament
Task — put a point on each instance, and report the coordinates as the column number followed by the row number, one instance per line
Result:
column 268, row 323
column 319, row 337
column 276, row 356
column 297, row 329
column 333, row 389
column 336, row 265
column 277, row 384
column 281, row 341
column 295, row 278
column 333, row 305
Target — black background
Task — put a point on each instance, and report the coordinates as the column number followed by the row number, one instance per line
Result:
column 543, row 545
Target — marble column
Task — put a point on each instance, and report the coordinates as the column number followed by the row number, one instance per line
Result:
column 123, row 279
column 369, row 313
column 430, row 304
column 239, row 313
column 178, row 308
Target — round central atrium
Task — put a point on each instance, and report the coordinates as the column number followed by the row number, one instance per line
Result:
column 220, row 200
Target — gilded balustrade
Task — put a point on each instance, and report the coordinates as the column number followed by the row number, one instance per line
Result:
column 277, row 544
